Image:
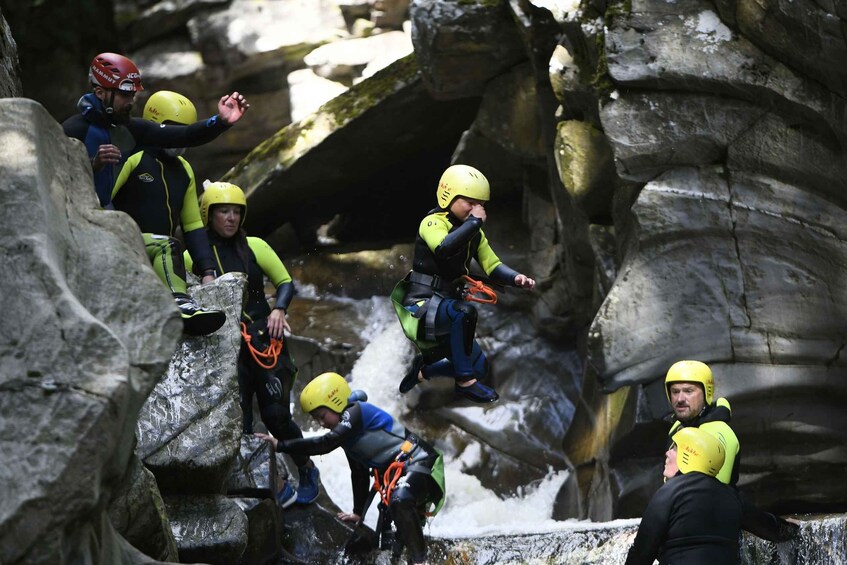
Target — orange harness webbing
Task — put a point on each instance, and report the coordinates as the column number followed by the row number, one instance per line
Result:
column 474, row 287
column 389, row 480
column 271, row 353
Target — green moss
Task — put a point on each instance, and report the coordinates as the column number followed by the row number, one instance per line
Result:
column 336, row 113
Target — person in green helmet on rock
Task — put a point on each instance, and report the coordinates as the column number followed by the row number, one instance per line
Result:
column 431, row 301
column 157, row 188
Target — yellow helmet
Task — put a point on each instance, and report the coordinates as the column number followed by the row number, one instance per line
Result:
column 691, row 372
column 222, row 193
column 329, row 390
column 462, row 180
column 165, row 106
column 698, row 450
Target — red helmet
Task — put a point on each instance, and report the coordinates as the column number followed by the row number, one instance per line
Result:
column 114, row 71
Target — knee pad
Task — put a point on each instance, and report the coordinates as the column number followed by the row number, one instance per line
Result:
column 467, row 316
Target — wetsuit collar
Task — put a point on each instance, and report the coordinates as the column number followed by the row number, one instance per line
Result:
column 92, row 108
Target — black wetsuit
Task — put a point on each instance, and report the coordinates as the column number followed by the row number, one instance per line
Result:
column 94, row 128
column 371, row 439
column 715, row 420
column 159, row 192
column 693, row 519
column 272, row 387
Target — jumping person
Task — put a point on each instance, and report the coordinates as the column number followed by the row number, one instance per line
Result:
column 372, row 439
column 689, row 386
column 693, row 517
column 430, row 300
column 265, row 367
column 111, row 135
column 157, row 188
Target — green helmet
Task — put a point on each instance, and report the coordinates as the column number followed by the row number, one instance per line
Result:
column 165, row 106
column 462, row 180
column 698, row 450
column 221, row 193
column 329, row 390
column 691, row 372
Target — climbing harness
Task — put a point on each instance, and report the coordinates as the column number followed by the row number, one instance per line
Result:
column 478, row 287
column 270, row 353
column 393, row 473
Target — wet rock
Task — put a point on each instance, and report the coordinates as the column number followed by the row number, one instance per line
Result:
column 208, row 529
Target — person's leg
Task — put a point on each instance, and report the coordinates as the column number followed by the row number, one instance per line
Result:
column 469, row 364
column 245, row 389
column 407, row 506
column 165, row 254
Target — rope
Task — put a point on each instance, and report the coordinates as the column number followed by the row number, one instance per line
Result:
column 474, row 287
column 272, row 352
column 388, row 482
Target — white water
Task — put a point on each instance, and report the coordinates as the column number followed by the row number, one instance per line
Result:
column 470, row 510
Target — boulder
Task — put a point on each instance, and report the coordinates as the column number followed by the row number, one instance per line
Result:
column 463, row 45
column 72, row 348
column 190, row 427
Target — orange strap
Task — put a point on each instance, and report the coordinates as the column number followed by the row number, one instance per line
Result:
column 389, row 480
column 271, row 353
column 475, row 286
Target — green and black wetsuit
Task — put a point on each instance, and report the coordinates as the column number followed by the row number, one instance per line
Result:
column 272, row 387
column 160, row 193
column 444, row 250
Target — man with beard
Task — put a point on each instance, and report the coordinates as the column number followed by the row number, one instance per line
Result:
column 109, row 133
column 690, row 388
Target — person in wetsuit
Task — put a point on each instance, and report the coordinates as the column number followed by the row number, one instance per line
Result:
column 158, row 189
column 372, row 439
column 693, row 518
column 223, row 209
column 689, row 386
column 111, row 135
column 448, row 239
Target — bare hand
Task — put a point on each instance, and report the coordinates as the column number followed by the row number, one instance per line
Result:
column 277, row 324
column 478, row 210
column 348, row 517
column 523, row 281
column 106, row 155
column 269, row 438
column 207, row 279
column 232, row 107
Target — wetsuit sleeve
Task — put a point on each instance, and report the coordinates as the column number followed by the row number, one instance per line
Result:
column 488, row 260
column 196, row 238
column 76, row 126
column 457, row 240
column 653, row 529
column 273, row 268
column 269, row 261
column 360, row 480
column 152, row 134
column 349, row 426
column 126, row 170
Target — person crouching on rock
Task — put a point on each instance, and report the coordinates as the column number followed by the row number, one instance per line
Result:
column 409, row 469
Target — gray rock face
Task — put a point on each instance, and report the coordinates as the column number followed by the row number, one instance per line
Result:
column 71, row 347
column 461, row 45
column 189, row 429
column 208, row 529
column 10, row 83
